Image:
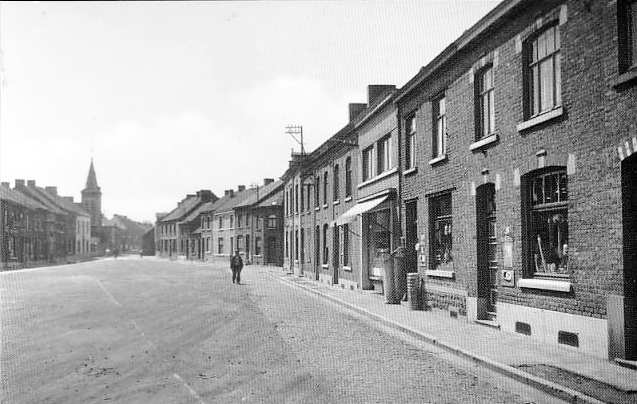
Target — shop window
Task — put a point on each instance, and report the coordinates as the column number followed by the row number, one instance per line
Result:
column 384, row 154
column 335, row 183
column 348, row 177
column 627, row 34
column 441, row 235
column 368, row 159
column 410, row 143
column 485, row 110
column 439, row 138
column 546, row 224
column 543, row 71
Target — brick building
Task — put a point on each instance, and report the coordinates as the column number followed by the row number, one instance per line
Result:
column 223, row 224
column 517, row 178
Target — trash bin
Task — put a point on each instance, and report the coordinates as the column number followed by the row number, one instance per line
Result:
column 400, row 273
column 413, row 291
column 388, row 280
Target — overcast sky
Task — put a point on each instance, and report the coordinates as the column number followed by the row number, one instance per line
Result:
column 169, row 98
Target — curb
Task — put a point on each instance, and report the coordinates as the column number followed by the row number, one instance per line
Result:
column 546, row 386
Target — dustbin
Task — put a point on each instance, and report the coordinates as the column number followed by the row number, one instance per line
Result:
column 413, row 291
column 388, row 281
column 400, row 272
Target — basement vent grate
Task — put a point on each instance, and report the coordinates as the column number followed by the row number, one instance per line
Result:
column 568, row 338
column 522, row 328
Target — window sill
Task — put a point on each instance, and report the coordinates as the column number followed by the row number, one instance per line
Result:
column 484, row 142
column 325, row 266
column 349, row 198
column 410, row 171
column 346, row 268
column 545, row 284
column 325, row 206
column 316, row 209
column 437, row 160
column 626, row 78
column 545, row 117
column 377, row 178
column 336, row 202
column 435, row 273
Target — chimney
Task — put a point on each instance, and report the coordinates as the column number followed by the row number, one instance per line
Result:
column 228, row 192
column 19, row 183
column 30, row 183
column 241, row 188
column 375, row 91
column 205, row 195
column 355, row 109
column 267, row 181
column 6, row 184
column 50, row 190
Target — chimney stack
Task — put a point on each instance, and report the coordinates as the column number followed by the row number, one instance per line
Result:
column 241, row 188
column 30, row 183
column 19, row 183
column 6, row 184
column 375, row 91
column 205, row 195
column 355, row 109
column 228, row 192
column 51, row 190
column 267, row 181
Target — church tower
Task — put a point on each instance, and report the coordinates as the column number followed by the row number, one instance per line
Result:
column 92, row 198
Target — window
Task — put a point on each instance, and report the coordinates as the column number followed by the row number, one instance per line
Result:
column 627, row 24
column 231, row 245
column 485, row 111
column 220, row 222
column 231, row 221
column 348, row 177
column 272, row 222
column 296, row 198
column 220, row 245
column 302, row 197
column 384, row 154
column 317, row 191
column 325, row 188
column 547, row 222
column 439, row 141
column 287, row 250
column 441, row 232
column 325, row 247
column 368, row 169
column 308, row 194
column 302, row 246
column 346, row 245
column 239, row 221
column 296, row 245
column 543, row 76
column 335, row 184
column 410, row 144
column 257, row 245
column 240, row 246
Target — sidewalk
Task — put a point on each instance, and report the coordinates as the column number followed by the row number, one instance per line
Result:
column 561, row 371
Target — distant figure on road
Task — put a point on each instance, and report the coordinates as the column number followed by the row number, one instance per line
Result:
column 236, row 263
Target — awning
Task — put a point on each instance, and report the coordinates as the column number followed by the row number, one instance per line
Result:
column 358, row 209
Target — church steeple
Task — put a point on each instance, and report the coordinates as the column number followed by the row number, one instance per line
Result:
column 91, row 180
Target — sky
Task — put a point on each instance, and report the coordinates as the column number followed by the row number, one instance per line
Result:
column 172, row 97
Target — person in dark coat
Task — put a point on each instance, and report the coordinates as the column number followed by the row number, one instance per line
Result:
column 236, row 264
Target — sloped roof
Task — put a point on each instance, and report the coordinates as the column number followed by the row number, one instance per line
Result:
column 19, row 198
column 91, row 180
column 183, row 208
column 34, row 192
column 275, row 199
column 62, row 203
column 260, row 193
column 204, row 207
column 228, row 203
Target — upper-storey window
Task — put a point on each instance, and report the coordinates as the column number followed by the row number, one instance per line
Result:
column 220, row 222
column 239, row 221
column 627, row 35
column 485, row 110
column 335, row 183
column 231, row 221
column 302, row 197
column 348, row 177
column 439, row 141
column 544, row 78
column 410, row 143
column 296, row 198
column 368, row 167
column 546, row 229
column 317, row 191
column 325, row 181
column 384, row 154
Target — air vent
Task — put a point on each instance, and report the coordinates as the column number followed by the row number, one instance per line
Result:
column 568, row 338
column 522, row 328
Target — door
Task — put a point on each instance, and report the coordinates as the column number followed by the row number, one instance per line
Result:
column 487, row 245
column 629, row 220
column 335, row 254
column 317, row 252
column 411, row 235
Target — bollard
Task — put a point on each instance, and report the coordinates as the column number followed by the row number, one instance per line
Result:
column 413, row 291
column 388, row 280
column 400, row 272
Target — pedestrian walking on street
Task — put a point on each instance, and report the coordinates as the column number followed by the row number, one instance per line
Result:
column 236, row 264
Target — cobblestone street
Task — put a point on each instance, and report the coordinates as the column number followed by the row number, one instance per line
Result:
column 132, row 330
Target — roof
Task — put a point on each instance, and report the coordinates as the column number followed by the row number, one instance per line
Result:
column 228, row 202
column 274, row 199
column 183, row 208
column 203, row 208
column 19, row 198
column 114, row 222
column 38, row 194
column 64, row 204
column 91, row 180
column 260, row 193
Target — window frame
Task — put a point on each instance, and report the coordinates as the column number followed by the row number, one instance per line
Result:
column 435, row 217
column 367, row 164
column 335, row 183
column 411, row 127
column 627, row 34
column 348, row 176
column 325, row 186
column 439, row 128
column 383, row 154
column 483, row 95
column 530, row 96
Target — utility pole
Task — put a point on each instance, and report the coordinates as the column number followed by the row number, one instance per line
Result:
column 296, row 131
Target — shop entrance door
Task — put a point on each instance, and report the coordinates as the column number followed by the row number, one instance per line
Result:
column 487, row 248
column 629, row 220
column 411, row 235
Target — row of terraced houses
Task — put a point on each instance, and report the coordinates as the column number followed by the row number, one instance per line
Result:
column 506, row 167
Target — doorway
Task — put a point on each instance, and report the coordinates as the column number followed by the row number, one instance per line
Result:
column 629, row 226
column 335, row 254
column 317, row 252
column 411, row 235
column 487, row 245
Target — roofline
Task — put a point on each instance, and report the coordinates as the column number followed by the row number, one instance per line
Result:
column 373, row 112
column 486, row 22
